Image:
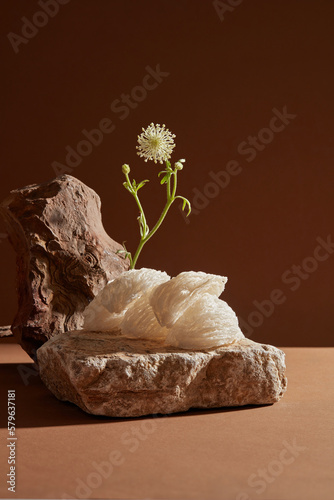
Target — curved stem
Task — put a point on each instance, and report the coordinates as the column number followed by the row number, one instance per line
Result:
column 151, row 233
column 168, row 191
column 144, row 229
column 139, row 204
column 135, row 258
column 175, row 184
column 137, row 199
column 160, row 221
column 170, row 199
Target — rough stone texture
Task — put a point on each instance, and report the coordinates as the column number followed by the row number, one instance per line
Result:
column 118, row 377
column 64, row 256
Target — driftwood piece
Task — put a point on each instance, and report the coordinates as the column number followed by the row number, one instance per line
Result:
column 64, row 256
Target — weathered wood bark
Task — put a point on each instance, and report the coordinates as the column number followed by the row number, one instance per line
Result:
column 64, row 256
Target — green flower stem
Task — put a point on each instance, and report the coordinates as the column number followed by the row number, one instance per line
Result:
column 168, row 191
column 170, row 199
column 135, row 196
column 134, row 192
column 175, row 184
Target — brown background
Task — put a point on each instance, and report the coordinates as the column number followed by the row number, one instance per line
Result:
column 225, row 77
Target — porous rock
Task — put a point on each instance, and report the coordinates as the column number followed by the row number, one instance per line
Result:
column 64, row 256
column 110, row 375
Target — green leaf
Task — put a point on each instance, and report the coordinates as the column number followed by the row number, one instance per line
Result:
column 124, row 253
column 128, row 187
column 189, row 208
column 141, row 184
column 186, row 203
column 166, row 177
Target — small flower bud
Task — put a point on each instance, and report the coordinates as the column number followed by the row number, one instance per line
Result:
column 178, row 165
column 125, row 169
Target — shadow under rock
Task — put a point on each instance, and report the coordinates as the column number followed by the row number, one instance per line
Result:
column 36, row 406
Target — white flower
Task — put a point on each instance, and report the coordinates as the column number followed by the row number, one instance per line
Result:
column 156, row 143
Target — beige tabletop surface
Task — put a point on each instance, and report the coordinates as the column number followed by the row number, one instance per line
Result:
column 278, row 452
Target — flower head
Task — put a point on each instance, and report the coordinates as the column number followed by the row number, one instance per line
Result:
column 125, row 169
column 156, row 143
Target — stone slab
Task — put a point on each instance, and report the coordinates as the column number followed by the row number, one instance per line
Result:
column 110, row 375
